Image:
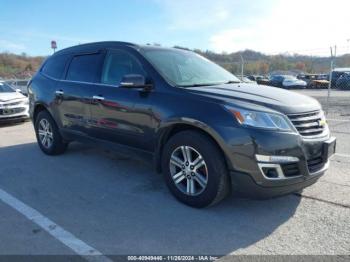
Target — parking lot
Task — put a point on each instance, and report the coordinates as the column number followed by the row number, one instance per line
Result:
column 91, row 201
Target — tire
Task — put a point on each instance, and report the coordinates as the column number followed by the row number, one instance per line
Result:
column 213, row 171
column 57, row 145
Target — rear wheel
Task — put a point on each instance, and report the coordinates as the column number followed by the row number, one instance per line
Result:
column 194, row 169
column 48, row 136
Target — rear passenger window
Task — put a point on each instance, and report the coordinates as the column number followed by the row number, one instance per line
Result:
column 55, row 66
column 85, row 68
column 118, row 64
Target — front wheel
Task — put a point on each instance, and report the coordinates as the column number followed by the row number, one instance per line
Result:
column 48, row 136
column 194, row 169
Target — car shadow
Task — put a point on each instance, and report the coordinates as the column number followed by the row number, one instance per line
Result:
column 13, row 123
column 119, row 205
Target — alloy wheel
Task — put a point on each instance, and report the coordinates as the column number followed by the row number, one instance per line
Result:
column 45, row 133
column 188, row 170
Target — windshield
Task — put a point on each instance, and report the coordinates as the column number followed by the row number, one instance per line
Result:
column 5, row 88
column 185, row 69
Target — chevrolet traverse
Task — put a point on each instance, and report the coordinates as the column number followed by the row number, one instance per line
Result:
column 206, row 131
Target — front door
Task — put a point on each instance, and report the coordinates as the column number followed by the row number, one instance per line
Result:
column 115, row 115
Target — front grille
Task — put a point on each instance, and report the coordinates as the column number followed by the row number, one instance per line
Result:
column 315, row 164
column 308, row 124
column 11, row 103
column 290, row 170
column 11, row 111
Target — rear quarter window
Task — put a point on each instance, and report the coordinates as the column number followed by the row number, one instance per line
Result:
column 54, row 66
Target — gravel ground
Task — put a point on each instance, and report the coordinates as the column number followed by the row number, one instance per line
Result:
column 119, row 205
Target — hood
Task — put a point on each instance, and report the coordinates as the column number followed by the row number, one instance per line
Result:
column 284, row 101
column 4, row 97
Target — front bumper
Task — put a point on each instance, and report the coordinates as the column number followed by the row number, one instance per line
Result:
column 14, row 113
column 242, row 146
column 244, row 185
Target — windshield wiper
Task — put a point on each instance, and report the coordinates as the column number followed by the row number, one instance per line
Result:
column 232, row 82
column 198, row 85
column 211, row 84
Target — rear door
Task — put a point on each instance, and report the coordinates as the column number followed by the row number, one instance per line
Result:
column 73, row 93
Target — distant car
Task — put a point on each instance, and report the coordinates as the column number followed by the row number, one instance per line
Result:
column 13, row 105
column 338, row 72
column 308, row 78
column 287, row 81
column 323, row 77
column 314, row 80
column 343, row 81
column 261, row 80
column 247, row 80
column 251, row 77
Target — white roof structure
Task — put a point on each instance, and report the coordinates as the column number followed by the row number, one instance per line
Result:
column 342, row 69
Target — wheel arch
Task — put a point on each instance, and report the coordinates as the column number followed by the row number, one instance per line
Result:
column 173, row 127
column 37, row 109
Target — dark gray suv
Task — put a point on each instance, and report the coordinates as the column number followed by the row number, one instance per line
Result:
column 207, row 132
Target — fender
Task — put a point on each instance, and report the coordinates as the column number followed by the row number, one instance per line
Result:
column 168, row 126
column 33, row 109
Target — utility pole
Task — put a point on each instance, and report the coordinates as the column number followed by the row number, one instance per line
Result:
column 242, row 66
column 333, row 55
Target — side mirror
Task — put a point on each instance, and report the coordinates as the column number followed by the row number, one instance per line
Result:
column 133, row 81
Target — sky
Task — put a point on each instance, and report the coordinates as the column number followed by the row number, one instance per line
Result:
column 269, row 26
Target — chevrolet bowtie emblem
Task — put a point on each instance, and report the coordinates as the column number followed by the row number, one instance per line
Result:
column 322, row 122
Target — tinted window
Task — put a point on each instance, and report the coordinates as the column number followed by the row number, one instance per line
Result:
column 85, row 68
column 118, row 64
column 55, row 65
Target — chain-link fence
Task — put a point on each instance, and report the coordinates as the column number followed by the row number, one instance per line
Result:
column 325, row 70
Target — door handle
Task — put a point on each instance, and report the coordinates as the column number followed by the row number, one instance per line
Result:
column 98, row 98
column 59, row 92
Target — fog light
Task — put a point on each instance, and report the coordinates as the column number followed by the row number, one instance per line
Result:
column 270, row 172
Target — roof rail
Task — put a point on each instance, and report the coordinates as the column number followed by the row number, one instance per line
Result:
column 108, row 42
column 87, row 45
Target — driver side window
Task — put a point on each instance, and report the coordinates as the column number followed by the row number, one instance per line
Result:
column 119, row 63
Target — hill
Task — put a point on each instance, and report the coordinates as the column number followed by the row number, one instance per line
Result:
column 258, row 63
column 18, row 66
column 23, row 66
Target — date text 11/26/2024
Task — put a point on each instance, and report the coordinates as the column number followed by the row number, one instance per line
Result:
column 172, row 258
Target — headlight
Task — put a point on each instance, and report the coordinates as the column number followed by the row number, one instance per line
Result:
column 258, row 119
column 25, row 101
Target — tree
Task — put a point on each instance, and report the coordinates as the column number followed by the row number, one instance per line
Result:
column 264, row 68
column 28, row 67
column 300, row 66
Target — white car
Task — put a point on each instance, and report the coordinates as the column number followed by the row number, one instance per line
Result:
column 13, row 105
column 293, row 82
